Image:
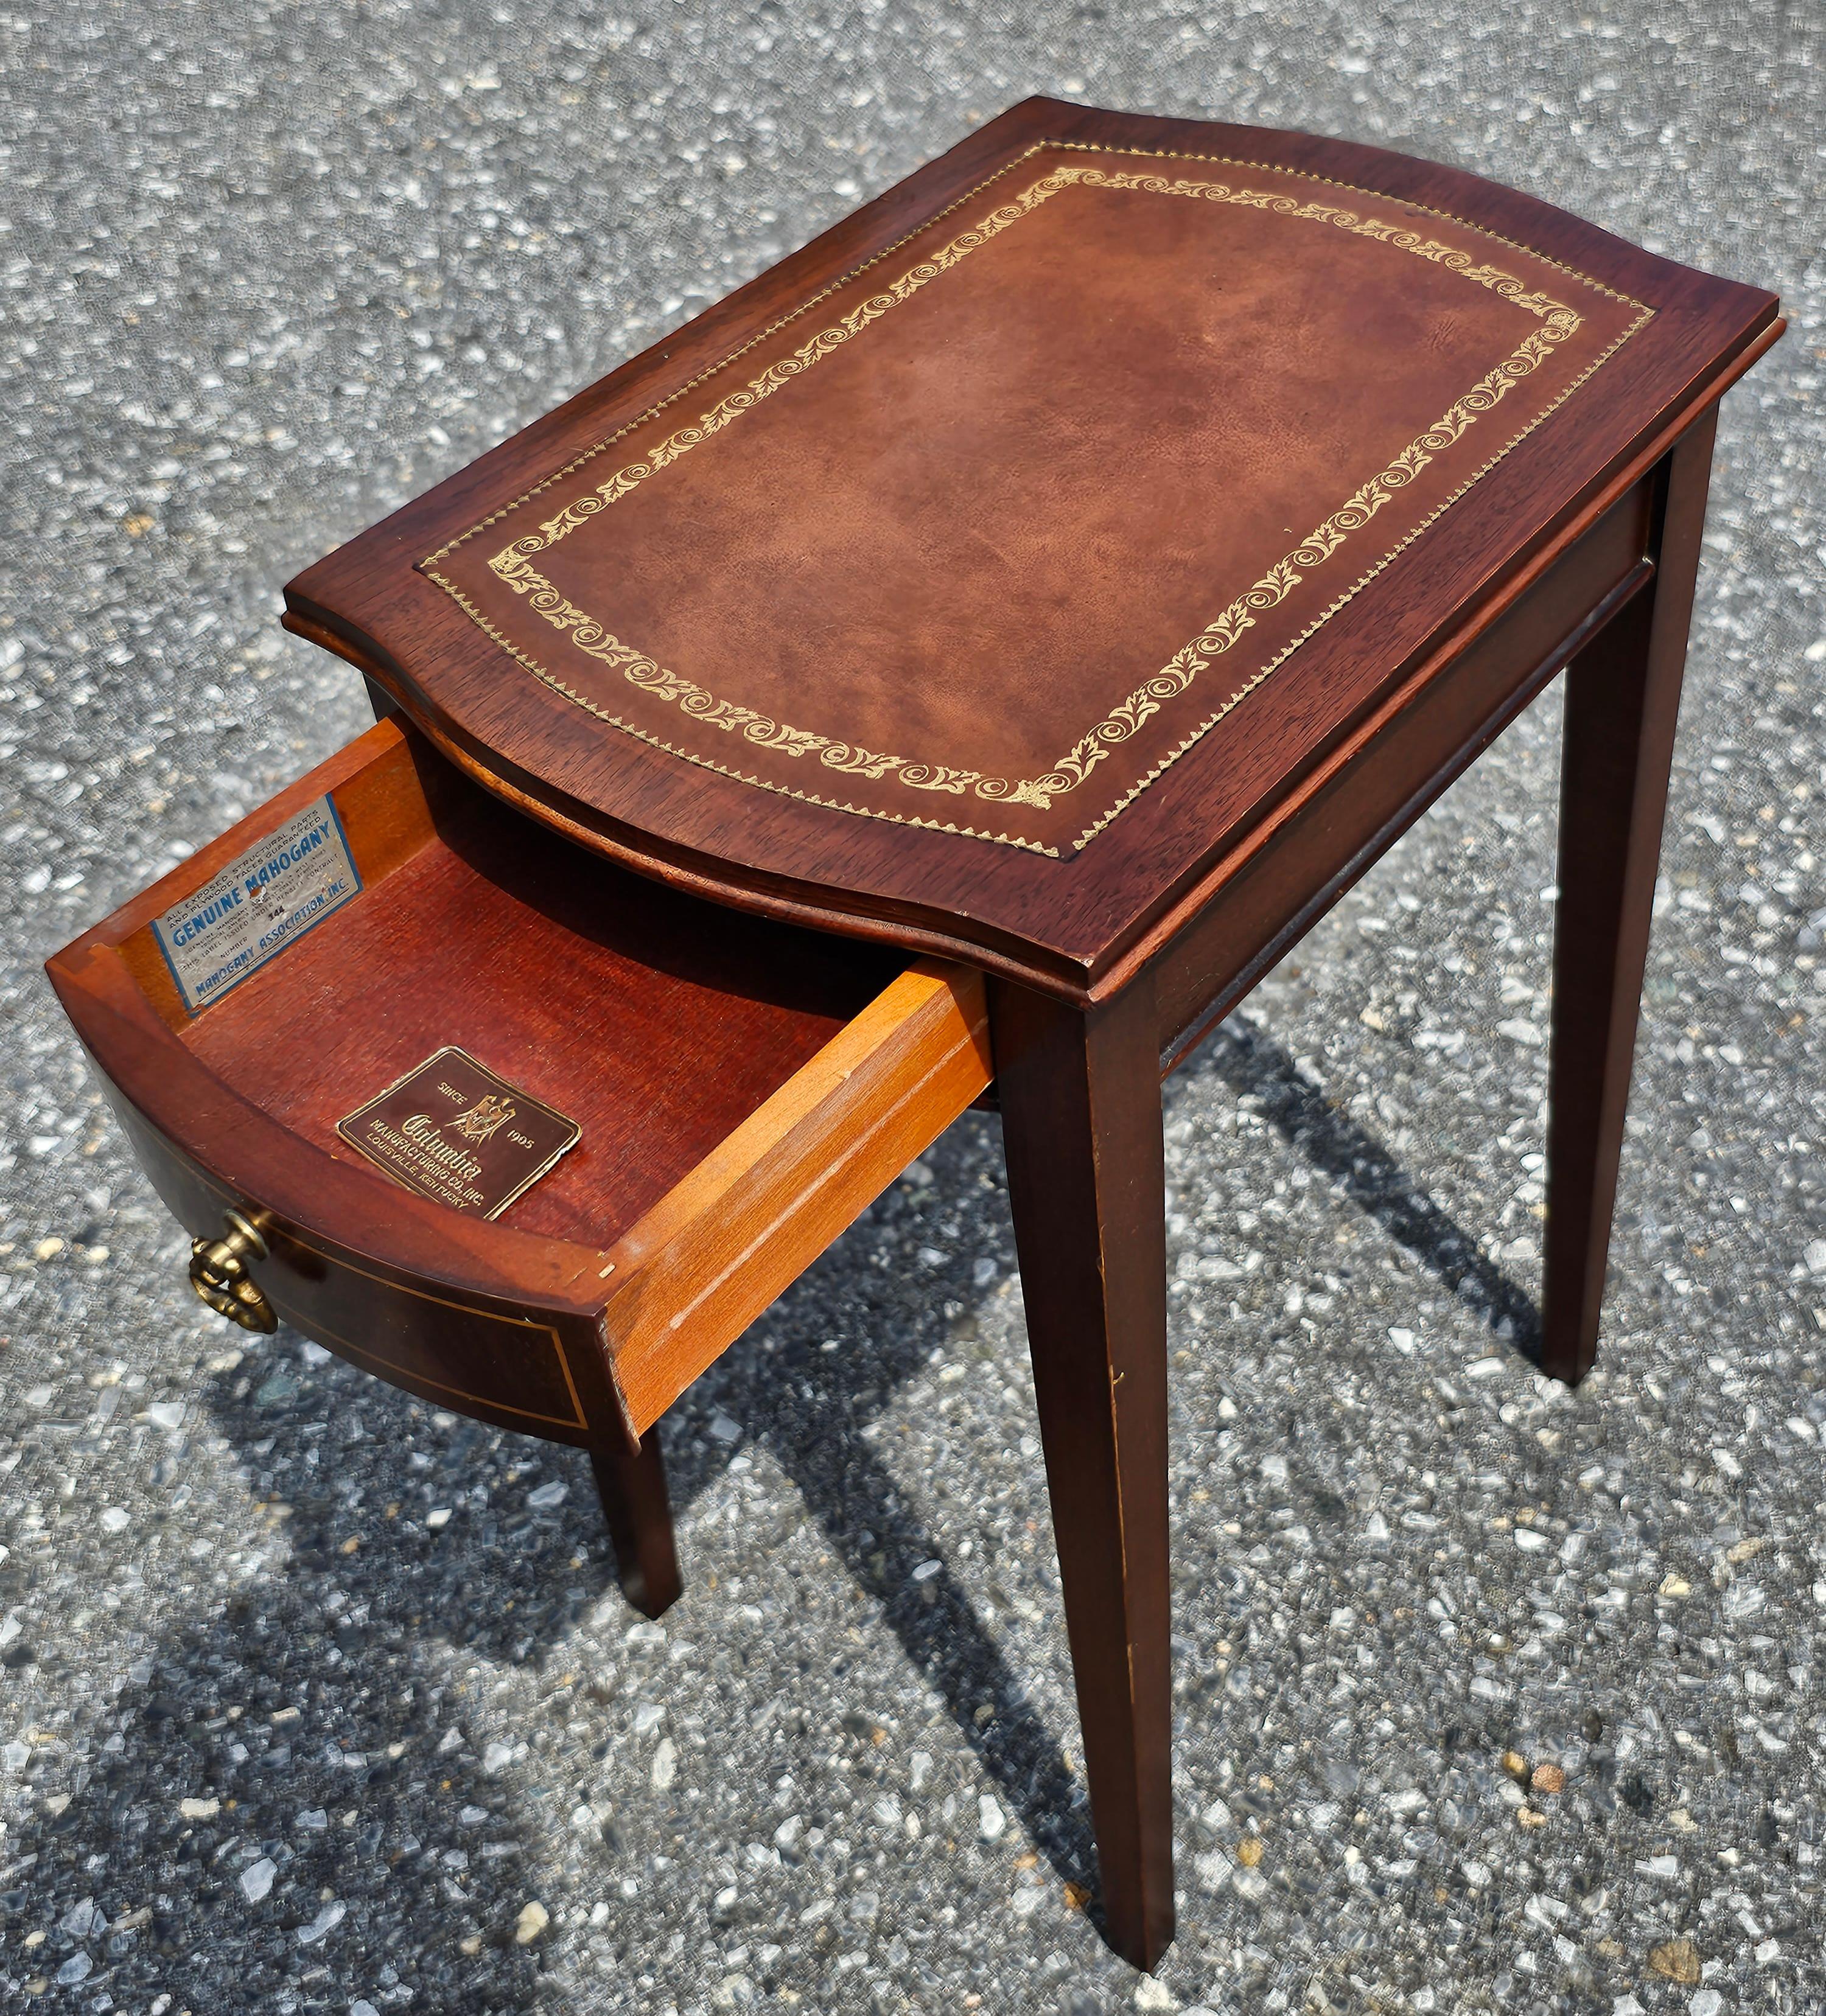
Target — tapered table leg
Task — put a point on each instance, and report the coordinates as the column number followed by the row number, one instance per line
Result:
column 1622, row 696
column 1081, row 1114
column 639, row 1514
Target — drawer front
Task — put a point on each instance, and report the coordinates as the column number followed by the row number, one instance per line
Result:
column 540, row 1373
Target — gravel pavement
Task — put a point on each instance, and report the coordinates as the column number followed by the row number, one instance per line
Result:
column 312, row 1698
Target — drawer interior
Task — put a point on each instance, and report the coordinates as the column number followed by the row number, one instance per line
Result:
column 742, row 1089
column 655, row 1021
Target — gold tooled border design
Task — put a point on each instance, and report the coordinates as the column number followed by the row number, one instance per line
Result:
column 513, row 564
column 1559, row 321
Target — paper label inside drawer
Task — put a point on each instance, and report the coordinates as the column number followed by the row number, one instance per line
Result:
column 259, row 906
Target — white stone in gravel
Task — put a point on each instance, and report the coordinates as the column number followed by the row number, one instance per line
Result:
column 200, row 1809
column 117, row 1519
column 74, row 1969
column 665, row 1764
column 1706, row 2002
column 440, row 1517
column 497, row 1757
column 363, row 2008
column 257, row 1878
column 80, row 1919
column 1815, row 1256
column 166, row 1413
column 1152, row 1995
column 326, row 1922
column 647, row 1717
column 549, row 1495
column 533, row 1920
column 1742, row 1599
column 920, row 1767
column 724, row 1429
column 926, row 1570
column 991, row 1820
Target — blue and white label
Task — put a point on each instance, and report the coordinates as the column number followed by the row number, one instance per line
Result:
column 253, row 911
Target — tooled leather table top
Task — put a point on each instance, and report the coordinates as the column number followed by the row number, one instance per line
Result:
column 988, row 535
column 977, row 576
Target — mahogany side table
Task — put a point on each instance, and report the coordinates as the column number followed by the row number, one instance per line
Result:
column 982, row 644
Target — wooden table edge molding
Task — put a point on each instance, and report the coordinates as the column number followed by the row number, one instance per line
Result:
column 1178, row 912
column 1052, row 929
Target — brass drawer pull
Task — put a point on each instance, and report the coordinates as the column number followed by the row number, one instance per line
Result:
column 218, row 1273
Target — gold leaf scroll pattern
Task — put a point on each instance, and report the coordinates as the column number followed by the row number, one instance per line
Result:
column 513, row 566
column 737, row 403
column 1123, row 720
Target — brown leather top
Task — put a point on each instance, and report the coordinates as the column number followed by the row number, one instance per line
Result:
column 1091, row 491
column 988, row 534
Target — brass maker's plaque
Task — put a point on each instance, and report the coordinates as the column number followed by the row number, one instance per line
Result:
column 452, row 1130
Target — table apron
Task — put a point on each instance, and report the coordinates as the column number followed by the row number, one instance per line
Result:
column 1390, row 770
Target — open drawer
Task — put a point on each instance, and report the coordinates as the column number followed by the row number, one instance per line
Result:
column 742, row 1091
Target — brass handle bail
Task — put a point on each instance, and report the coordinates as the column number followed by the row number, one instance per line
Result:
column 218, row 1273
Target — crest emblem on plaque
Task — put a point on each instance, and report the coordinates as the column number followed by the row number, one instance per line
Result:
column 488, row 1112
